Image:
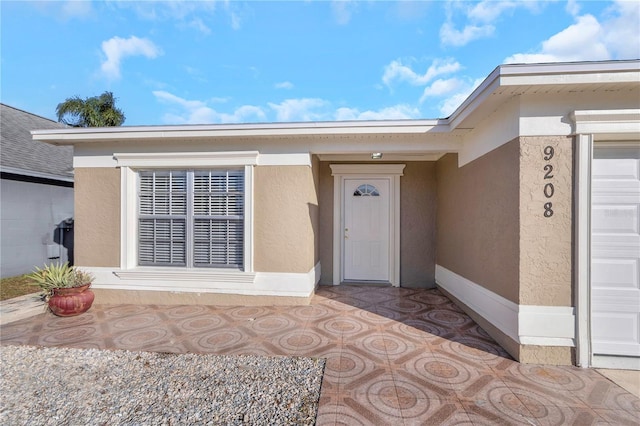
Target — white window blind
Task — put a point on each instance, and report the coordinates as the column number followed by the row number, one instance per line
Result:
column 218, row 218
column 191, row 218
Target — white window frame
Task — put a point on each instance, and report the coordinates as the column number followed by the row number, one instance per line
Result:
column 130, row 163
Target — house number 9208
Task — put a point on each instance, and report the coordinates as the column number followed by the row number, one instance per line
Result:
column 548, row 188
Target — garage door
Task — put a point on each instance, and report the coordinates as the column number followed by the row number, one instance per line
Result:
column 615, row 252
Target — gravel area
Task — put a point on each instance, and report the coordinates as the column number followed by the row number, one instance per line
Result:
column 53, row 386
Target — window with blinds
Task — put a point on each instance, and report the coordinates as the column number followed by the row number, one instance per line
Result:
column 191, row 218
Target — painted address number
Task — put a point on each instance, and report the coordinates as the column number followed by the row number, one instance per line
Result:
column 548, row 188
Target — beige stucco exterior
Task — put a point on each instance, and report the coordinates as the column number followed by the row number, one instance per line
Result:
column 492, row 230
column 491, row 224
column 478, row 219
column 417, row 223
column 418, row 200
column 545, row 242
column 285, row 219
column 97, row 217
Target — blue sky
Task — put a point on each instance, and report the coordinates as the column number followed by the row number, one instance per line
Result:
column 195, row 62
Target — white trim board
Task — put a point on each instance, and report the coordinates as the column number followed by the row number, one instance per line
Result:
column 525, row 324
column 195, row 159
column 207, row 281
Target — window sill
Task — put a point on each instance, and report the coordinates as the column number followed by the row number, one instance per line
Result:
column 183, row 274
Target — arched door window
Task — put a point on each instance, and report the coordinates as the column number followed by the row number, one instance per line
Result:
column 366, row 190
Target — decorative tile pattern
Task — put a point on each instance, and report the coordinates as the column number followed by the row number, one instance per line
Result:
column 394, row 356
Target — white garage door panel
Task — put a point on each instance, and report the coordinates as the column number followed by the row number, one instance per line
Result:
column 623, row 327
column 615, row 300
column 613, row 168
column 615, row 218
column 619, row 349
column 615, row 250
column 615, row 273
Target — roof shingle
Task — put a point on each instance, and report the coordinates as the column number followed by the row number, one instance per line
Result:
column 19, row 152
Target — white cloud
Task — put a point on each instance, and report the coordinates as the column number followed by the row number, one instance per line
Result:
column 453, row 37
column 199, row 25
column 284, row 85
column 76, row 9
column 489, row 11
column 116, row 49
column 161, row 10
column 235, row 21
column 197, row 112
column 478, row 18
column 397, row 112
column 342, row 10
column 582, row 41
column 573, row 8
column 187, row 14
column 621, row 30
column 304, row 109
column 588, row 39
column 441, row 87
column 397, row 71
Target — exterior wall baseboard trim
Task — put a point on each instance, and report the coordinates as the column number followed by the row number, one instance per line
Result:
column 525, row 324
column 188, row 281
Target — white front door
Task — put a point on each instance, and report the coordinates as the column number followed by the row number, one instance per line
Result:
column 366, row 229
column 615, row 252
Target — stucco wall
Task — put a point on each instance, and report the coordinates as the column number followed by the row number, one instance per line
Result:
column 30, row 213
column 325, row 195
column 286, row 219
column 545, row 242
column 417, row 224
column 97, row 217
column 478, row 219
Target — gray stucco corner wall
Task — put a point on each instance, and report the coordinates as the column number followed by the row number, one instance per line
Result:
column 478, row 219
column 97, row 217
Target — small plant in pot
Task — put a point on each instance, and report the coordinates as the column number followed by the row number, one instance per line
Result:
column 64, row 288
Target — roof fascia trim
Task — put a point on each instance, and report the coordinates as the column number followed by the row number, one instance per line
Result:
column 30, row 173
column 65, row 136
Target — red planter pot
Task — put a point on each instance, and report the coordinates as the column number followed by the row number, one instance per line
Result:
column 67, row 302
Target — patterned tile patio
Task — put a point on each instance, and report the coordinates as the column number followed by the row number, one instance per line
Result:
column 394, row 356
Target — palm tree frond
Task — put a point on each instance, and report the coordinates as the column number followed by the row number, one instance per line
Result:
column 96, row 111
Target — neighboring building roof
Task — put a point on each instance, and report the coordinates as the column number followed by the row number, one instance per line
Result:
column 21, row 155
